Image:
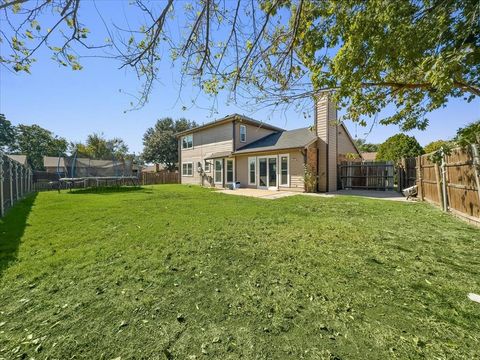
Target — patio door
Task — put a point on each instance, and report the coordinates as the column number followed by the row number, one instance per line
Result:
column 267, row 172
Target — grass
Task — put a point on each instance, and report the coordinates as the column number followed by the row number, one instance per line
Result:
column 176, row 272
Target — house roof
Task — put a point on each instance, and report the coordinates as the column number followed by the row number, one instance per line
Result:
column 287, row 139
column 351, row 138
column 229, row 118
column 22, row 159
column 52, row 161
column 369, row 156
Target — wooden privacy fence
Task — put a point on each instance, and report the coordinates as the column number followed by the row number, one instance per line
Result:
column 378, row 175
column 454, row 184
column 16, row 181
column 160, row 177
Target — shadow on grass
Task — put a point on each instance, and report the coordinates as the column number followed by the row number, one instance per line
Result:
column 12, row 227
column 106, row 190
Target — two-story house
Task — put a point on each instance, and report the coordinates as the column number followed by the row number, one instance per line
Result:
column 258, row 155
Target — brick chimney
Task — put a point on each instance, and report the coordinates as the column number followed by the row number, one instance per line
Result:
column 326, row 128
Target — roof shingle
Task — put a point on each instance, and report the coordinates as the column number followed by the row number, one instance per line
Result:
column 288, row 139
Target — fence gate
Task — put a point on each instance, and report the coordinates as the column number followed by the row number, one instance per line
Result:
column 378, row 175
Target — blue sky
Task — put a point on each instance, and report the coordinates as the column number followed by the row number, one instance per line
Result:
column 74, row 104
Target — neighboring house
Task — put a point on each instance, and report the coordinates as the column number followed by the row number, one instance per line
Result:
column 54, row 164
column 22, row 159
column 153, row 168
column 258, row 155
column 369, row 156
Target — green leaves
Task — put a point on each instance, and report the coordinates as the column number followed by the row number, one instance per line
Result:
column 399, row 146
column 160, row 144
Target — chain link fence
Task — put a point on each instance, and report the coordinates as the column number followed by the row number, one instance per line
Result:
column 16, row 181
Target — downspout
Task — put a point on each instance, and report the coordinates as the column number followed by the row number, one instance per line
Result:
column 315, row 116
column 234, row 145
column 328, row 146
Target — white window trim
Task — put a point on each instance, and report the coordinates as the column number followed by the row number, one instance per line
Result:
column 215, row 171
column 225, row 172
column 244, row 127
column 280, row 168
column 205, row 163
column 187, row 163
column 254, row 159
column 190, row 147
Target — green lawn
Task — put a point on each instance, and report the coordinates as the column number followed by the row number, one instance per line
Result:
column 177, row 272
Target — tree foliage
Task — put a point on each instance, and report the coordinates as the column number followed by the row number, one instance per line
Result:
column 98, row 147
column 413, row 53
column 37, row 142
column 160, row 143
column 469, row 134
column 436, row 145
column 399, row 146
column 363, row 146
column 7, row 133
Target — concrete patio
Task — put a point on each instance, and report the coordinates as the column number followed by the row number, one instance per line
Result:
column 274, row 194
column 258, row 193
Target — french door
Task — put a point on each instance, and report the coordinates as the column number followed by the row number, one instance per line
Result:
column 267, row 172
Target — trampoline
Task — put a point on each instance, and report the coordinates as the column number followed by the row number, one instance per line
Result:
column 85, row 172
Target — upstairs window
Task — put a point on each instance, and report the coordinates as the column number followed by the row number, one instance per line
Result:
column 187, row 142
column 243, row 133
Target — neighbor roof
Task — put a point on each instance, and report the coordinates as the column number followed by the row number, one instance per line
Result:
column 290, row 139
column 229, row 118
column 22, row 159
column 52, row 161
column 369, row 156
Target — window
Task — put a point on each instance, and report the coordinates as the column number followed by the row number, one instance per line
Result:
column 243, row 133
column 206, row 166
column 230, row 176
column 252, row 176
column 284, row 170
column 187, row 169
column 218, row 172
column 187, row 142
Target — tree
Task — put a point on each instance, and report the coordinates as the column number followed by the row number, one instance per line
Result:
column 160, row 144
column 364, row 146
column 470, row 134
column 7, row 133
column 436, row 145
column 98, row 147
column 37, row 142
column 399, row 146
column 413, row 53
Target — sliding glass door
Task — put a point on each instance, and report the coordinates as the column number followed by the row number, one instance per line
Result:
column 267, row 172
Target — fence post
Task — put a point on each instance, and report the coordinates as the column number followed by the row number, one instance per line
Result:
column 10, row 172
column 444, row 183
column 419, row 177
column 438, row 184
column 2, row 210
column 25, row 181
column 16, row 181
column 20, row 178
column 476, row 167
